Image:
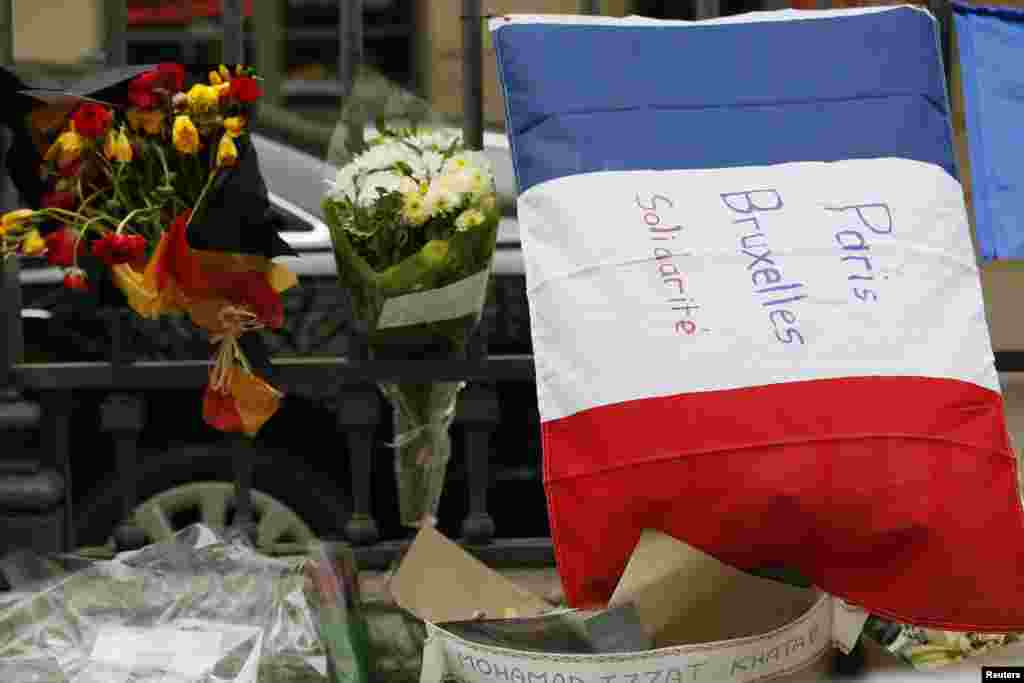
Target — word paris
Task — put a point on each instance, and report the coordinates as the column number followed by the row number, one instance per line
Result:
column 778, row 294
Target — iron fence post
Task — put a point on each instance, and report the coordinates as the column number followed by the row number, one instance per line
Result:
column 479, row 412
column 358, row 415
column 350, row 44
column 707, row 9
column 11, row 341
column 6, row 31
column 117, row 29
column 233, row 18
column 121, row 416
column 242, row 459
column 269, row 41
column 472, row 75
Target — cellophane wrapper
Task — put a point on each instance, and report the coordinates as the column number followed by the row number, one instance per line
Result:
column 194, row 609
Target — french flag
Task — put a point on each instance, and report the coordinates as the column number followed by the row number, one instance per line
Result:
column 756, row 311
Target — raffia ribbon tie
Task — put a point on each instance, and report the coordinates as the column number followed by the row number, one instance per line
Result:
column 234, row 322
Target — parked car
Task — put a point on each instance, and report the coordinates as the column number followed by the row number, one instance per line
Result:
column 301, row 461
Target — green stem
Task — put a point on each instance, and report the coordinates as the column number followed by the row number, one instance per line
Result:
column 78, row 240
column 123, row 223
column 202, row 196
column 163, row 162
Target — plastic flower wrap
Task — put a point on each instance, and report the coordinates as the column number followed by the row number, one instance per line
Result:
column 156, row 188
column 928, row 649
column 414, row 220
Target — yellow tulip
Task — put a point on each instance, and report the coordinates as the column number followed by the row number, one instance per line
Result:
column 14, row 219
column 215, row 78
column 185, row 136
column 224, row 73
column 151, row 121
column 202, row 98
column 234, row 126
column 117, row 147
column 33, row 244
column 227, row 152
column 67, row 148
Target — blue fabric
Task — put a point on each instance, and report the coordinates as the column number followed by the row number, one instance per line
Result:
column 991, row 42
column 583, row 98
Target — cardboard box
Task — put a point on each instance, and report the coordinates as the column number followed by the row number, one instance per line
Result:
column 710, row 622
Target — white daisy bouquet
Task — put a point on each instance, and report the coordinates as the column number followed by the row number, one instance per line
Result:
column 414, row 220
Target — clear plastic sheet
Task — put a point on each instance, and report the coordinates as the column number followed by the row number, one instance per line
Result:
column 198, row 608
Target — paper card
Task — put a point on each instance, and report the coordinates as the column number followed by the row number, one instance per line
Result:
column 440, row 582
column 459, row 299
column 685, row 596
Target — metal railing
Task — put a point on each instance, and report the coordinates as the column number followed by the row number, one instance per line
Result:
column 350, row 380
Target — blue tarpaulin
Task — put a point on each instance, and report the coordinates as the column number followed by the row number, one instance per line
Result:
column 991, row 42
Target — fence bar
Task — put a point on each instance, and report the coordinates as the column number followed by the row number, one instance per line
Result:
column 244, row 451
column 234, row 32
column 590, row 6
column 472, row 75
column 6, row 31
column 707, row 9
column 267, row 20
column 11, row 340
column 117, row 32
column 350, row 35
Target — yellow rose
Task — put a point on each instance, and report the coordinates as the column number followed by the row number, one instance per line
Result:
column 185, row 136
column 227, row 152
column 149, row 121
column 67, row 148
column 117, row 147
column 202, row 98
column 33, row 244
column 14, row 219
column 234, row 125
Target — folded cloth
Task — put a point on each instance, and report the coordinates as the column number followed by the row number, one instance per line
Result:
column 755, row 307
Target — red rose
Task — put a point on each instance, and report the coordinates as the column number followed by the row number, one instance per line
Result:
column 76, row 280
column 143, row 98
column 114, row 249
column 143, row 89
column 244, row 89
column 59, row 200
column 60, row 247
column 92, row 120
column 172, row 76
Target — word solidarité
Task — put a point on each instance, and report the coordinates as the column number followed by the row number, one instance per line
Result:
column 777, row 293
column 660, row 233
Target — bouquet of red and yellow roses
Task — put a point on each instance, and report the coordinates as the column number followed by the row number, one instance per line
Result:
column 159, row 183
